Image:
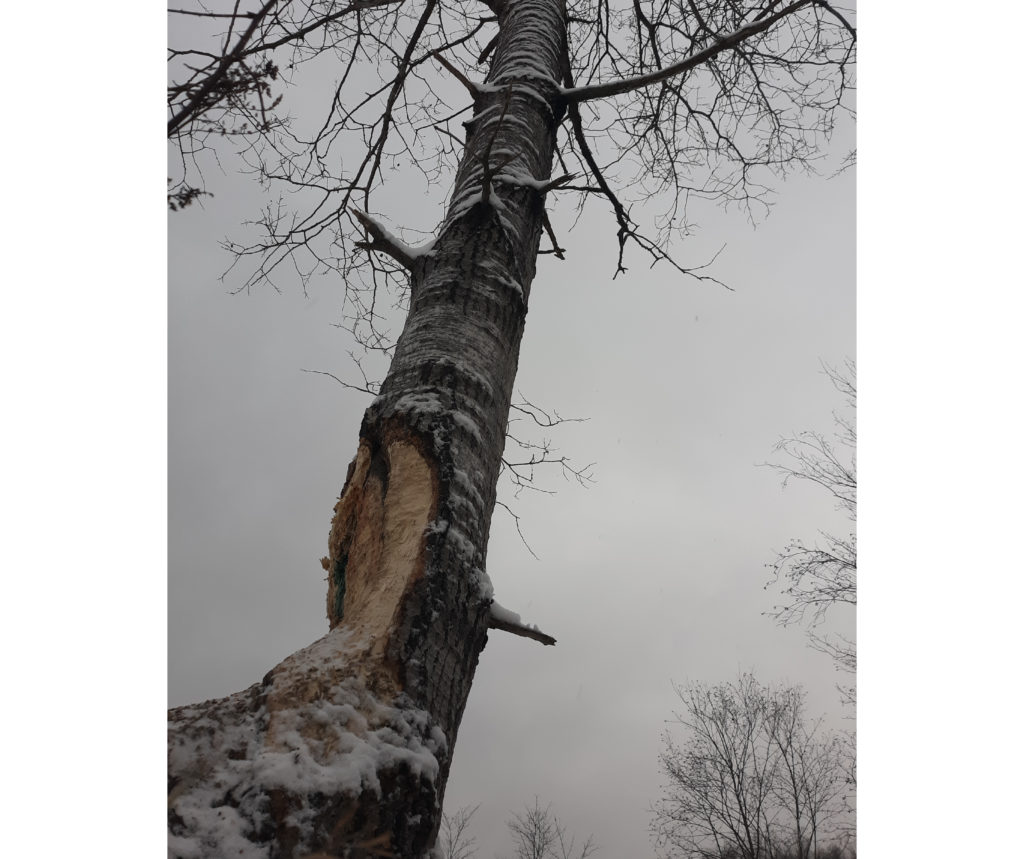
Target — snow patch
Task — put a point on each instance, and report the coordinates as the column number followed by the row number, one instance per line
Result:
column 461, row 543
column 390, row 238
column 484, row 585
column 521, row 179
column 419, row 403
column 467, row 423
column 225, row 756
column 466, row 486
column 504, row 615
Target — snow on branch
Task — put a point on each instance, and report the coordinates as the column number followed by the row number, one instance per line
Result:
column 575, row 95
column 540, row 186
column 508, row 621
column 384, row 241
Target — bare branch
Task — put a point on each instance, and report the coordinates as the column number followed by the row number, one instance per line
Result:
column 365, row 388
column 198, row 100
column 454, row 839
column 752, row 776
column 539, row 834
column 320, row 24
column 471, row 87
column 821, row 576
column 559, row 252
column 486, row 52
column 723, row 43
column 518, row 523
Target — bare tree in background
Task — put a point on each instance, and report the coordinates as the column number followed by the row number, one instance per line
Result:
column 821, row 576
column 454, row 840
column 752, row 778
column 345, row 747
column 537, row 833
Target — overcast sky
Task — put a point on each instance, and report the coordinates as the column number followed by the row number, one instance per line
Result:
column 653, row 574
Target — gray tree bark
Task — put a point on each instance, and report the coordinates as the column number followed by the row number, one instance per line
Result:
column 344, row 748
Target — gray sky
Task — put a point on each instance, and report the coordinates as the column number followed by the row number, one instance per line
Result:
column 653, row 574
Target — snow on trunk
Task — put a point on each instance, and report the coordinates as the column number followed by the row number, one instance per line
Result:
column 345, row 747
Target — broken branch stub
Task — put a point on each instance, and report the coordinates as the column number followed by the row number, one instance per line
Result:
column 520, row 629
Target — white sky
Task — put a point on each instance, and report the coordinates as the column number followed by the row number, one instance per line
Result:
column 83, row 357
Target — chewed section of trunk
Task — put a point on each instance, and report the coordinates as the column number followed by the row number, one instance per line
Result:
column 378, row 541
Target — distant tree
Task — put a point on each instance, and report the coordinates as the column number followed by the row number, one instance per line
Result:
column 752, row 779
column 820, row 575
column 454, row 840
column 538, row 834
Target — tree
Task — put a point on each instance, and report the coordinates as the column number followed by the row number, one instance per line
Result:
column 822, row 576
column 752, row 779
column 345, row 747
column 538, row 834
column 454, row 840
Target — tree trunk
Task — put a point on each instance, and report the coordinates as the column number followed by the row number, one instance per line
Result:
column 344, row 748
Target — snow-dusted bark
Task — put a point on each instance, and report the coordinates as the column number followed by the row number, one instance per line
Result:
column 345, row 747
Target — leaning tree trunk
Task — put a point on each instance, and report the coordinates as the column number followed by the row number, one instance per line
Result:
column 345, row 747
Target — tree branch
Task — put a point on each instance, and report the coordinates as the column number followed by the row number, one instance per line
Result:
column 576, row 95
column 320, row 23
column 558, row 251
column 384, row 241
column 195, row 103
column 508, row 621
column 524, row 631
column 474, row 90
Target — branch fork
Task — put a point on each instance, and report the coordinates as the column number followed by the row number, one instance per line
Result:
column 381, row 239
